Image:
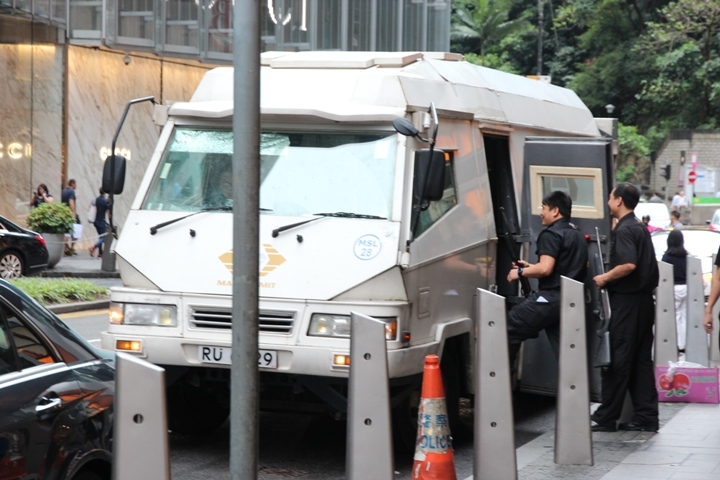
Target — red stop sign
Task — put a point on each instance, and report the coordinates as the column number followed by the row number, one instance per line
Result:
column 692, row 176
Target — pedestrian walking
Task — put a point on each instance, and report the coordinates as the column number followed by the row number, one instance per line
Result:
column 68, row 198
column 100, row 223
column 630, row 281
column 675, row 220
column 713, row 297
column 676, row 255
column 41, row 195
column 561, row 251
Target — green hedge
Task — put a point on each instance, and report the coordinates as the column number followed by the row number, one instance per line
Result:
column 60, row 290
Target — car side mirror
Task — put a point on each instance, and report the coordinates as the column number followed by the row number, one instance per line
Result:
column 114, row 184
column 707, row 222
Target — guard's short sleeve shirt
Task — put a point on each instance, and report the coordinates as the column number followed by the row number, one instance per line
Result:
column 631, row 243
column 566, row 244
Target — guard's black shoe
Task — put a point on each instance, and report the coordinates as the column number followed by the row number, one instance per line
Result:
column 639, row 427
column 596, row 427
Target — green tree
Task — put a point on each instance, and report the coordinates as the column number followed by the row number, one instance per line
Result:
column 684, row 45
column 478, row 24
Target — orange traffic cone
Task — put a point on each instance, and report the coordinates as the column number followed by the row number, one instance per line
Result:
column 434, row 458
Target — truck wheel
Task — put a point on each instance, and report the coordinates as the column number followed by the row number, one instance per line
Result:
column 450, row 368
column 192, row 410
column 405, row 423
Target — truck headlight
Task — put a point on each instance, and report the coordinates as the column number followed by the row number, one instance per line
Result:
column 330, row 325
column 141, row 314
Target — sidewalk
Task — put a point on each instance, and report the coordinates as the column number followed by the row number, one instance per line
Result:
column 687, row 447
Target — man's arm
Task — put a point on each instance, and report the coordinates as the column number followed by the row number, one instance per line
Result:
column 619, row 271
column 71, row 203
column 541, row 269
column 712, row 299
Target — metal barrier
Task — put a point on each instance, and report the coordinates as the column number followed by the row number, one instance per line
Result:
column 696, row 350
column 140, row 446
column 369, row 434
column 573, row 438
column 494, row 426
column 665, row 323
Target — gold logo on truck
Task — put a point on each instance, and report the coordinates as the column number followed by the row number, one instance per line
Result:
column 270, row 258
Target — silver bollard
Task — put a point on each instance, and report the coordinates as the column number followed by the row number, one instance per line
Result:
column 140, row 445
column 369, row 435
column 573, row 438
column 665, row 323
column 494, row 426
column 696, row 350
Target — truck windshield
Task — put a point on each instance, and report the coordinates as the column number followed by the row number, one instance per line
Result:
column 300, row 172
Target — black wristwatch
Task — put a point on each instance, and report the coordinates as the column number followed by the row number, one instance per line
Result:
column 520, row 270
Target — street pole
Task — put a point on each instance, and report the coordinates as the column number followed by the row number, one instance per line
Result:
column 244, row 416
column 540, row 37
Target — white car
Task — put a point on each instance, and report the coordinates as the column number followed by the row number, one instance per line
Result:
column 659, row 214
column 699, row 243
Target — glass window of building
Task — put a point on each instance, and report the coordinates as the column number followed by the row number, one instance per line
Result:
column 181, row 26
column 136, row 22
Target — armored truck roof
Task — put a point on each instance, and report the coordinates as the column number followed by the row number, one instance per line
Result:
column 329, row 87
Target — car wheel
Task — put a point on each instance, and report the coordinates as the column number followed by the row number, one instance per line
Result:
column 11, row 265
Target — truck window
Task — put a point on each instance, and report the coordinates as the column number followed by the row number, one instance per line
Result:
column 437, row 209
column 301, row 173
column 584, row 185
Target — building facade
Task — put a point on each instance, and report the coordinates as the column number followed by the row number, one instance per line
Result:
column 69, row 67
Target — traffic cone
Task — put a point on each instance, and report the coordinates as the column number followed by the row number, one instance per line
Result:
column 434, row 458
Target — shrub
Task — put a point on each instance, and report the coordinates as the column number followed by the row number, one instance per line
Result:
column 52, row 217
column 60, row 290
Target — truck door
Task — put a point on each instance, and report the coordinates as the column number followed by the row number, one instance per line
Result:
column 584, row 169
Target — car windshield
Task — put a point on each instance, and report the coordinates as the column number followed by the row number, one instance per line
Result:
column 301, row 173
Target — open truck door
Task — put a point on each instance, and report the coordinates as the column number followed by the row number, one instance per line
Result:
column 583, row 168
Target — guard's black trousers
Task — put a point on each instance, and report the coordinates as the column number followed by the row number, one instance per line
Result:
column 539, row 311
column 632, row 369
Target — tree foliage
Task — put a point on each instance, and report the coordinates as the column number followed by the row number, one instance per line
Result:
column 656, row 61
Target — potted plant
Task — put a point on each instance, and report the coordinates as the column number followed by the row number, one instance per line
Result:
column 53, row 221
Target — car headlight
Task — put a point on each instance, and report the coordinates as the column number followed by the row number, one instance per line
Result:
column 141, row 314
column 330, row 325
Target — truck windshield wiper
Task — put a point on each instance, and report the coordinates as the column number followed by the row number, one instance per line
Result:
column 279, row 230
column 153, row 230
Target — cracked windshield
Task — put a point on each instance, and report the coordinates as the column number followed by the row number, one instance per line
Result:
column 301, row 173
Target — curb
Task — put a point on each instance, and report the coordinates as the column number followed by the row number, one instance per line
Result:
column 78, row 306
column 85, row 274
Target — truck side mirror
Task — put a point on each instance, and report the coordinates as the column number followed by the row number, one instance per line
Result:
column 429, row 174
column 107, row 180
column 405, row 127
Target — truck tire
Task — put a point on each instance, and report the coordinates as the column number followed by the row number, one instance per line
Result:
column 192, row 410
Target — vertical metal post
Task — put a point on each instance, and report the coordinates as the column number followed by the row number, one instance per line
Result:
column 140, row 423
column 494, row 434
column 573, row 438
column 715, row 335
column 665, row 323
column 696, row 350
column 369, row 436
column 246, row 187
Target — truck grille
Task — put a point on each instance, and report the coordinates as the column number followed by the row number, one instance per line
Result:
column 220, row 319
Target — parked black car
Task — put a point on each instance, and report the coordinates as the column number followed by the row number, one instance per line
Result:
column 56, row 396
column 22, row 251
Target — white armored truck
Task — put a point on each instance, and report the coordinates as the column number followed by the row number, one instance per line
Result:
column 354, row 217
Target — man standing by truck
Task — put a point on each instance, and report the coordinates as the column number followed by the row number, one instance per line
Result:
column 561, row 251
column 632, row 277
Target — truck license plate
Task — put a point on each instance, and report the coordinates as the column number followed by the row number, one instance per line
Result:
column 221, row 355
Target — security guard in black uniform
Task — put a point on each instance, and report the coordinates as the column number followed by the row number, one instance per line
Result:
column 632, row 277
column 561, row 250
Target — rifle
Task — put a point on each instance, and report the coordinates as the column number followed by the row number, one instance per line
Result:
column 512, row 249
column 602, row 354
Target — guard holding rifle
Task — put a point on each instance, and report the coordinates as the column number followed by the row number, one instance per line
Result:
column 562, row 251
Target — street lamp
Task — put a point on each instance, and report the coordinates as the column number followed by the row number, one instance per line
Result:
column 610, row 108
